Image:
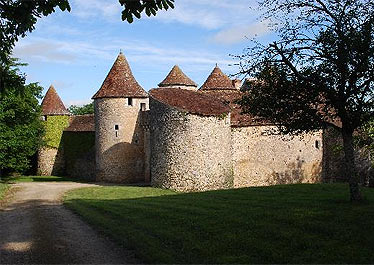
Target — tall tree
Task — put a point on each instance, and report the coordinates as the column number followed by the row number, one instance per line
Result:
column 21, row 129
column 319, row 72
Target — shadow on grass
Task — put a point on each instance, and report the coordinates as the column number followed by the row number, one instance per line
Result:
column 280, row 224
column 18, row 179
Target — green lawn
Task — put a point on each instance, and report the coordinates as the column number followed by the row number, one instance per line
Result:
column 279, row 224
column 36, row 179
column 3, row 189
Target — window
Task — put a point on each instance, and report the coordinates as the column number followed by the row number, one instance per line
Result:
column 129, row 101
column 142, row 106
column 317, row 144
column 116, row 128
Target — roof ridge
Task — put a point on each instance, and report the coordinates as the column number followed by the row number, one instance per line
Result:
column 120, row 82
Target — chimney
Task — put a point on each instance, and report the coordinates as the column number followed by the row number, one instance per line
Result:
column 237, row 83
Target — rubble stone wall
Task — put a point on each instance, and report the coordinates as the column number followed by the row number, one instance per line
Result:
column 119, row 140
column 189, row 152
column 261, row 158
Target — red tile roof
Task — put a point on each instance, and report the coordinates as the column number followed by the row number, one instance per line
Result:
column 177, row 77
column 238, row 119
column 82, row 123
column 217, row 80
column 120, row 82
column 52, row 104
column 190, row 101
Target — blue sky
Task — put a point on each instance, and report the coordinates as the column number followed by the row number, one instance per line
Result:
column 74, row 51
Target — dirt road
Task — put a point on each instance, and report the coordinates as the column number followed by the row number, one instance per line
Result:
column 35, row 228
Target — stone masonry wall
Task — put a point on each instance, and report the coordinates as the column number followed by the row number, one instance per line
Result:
column 334, row 160
column 260, row 159
column 119, row 151
column 189, row 152
column 51, row 162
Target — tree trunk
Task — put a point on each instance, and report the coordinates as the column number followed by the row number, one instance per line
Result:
column 351, row 166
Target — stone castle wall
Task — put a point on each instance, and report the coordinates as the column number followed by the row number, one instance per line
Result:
column 189, row 152
column 261, row 159
column 79, row 151
column 119, row 150
column 334, row 160
column 51, row 161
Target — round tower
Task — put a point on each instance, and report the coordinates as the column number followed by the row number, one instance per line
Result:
column 191, row 141
column 56, row 118
column 119, row 139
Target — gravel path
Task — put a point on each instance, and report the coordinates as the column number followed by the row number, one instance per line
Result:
column 36, row 229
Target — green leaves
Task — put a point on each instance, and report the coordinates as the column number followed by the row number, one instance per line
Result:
column 150, row 7
column 21, row 129
column 85, row 109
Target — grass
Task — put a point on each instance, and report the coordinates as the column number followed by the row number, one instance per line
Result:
column 18, row 179
column 3, row 189
column 279, row 224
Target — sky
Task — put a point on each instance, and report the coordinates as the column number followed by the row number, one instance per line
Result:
column 75, row 50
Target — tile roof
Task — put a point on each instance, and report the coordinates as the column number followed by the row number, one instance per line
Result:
column 81, row 123
column 120, row 82
column 238, row 119
column 190, row 101
column 177, row 77
column 217, row 80
column 52, row 103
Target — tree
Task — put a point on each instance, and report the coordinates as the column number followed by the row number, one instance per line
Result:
column 21, row 129
column 320, row 71
column 85, row 109
column 150, row 7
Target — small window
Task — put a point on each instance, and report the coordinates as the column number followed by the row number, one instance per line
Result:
column 129, row 101
column 142, row 106
column 116, row 127
column 317, row 144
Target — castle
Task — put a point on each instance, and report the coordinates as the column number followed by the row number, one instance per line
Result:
column 176, row 136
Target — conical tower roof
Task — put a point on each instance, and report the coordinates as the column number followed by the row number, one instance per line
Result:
column 52, row 103
column 176, row 77
column 217, row 80
column 120, row 82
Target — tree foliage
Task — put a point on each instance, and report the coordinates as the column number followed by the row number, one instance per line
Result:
column 319, row 72
column 21, row 129
column 150, row 7
column 82, row 110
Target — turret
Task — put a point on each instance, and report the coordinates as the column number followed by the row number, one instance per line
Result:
column 177, row 79
column 119, row 107
column 217, row 80
column 56, row 118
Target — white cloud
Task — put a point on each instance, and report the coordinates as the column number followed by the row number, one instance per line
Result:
column 240, row 33
column 209, row 14
column 91, row 53
column 108, row 9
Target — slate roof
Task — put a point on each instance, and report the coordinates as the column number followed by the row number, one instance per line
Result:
column 52, row 103
column 177, row 77
column 190, row 101
column 81, row 123
column 120, row 82
column 217, row 80
column 229, row 98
